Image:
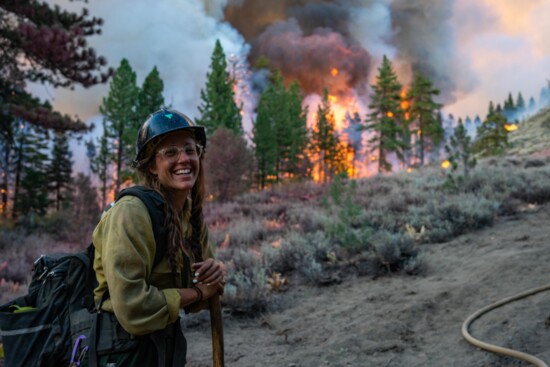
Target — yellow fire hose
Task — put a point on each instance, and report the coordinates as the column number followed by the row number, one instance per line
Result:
column 494, row 348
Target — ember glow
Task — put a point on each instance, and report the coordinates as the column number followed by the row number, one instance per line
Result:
column 510, row 127
column 445, row 164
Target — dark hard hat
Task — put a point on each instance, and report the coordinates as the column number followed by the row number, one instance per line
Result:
column 158, row 125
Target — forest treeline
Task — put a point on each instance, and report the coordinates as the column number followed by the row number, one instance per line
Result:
column 404, row 127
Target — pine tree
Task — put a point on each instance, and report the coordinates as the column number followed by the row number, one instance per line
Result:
column 460, row 151
column 492, row 137
column 326, row 144
column 477, row 121
column 424, row 115
column 33, row 197
column 218, row 107
column 509, row 107
column 150, row 97
column 119, row 110
column 85, row 210
column 544, row 99
column 520, row 104
column 292, row 131
column 386, row 118
column 264, row 133
column 7, row 141
column 354, row 142
column 100, row 162
column 532, row 105
column 60, row 170
column 45, row 44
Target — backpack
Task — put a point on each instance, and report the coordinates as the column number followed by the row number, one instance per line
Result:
column 36, row 328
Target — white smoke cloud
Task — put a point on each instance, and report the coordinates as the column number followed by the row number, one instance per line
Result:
column 176, row 37
column 504, row 43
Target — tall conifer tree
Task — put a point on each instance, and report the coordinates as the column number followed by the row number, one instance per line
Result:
column 60, row 170
column 264, row 133
column 45, row 44
column 33, row 195
column 100, row 162
column 280, row 132
column 119, row 110
column 295, row 159
column 150, row 97
column 492, row 137
column 460, row 151
column 424, row 113
column 386, row 119
column 218, row 107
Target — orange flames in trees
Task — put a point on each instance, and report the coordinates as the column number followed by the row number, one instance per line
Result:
column 510, row 127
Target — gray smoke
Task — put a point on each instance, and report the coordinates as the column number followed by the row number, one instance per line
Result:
column 306, row 38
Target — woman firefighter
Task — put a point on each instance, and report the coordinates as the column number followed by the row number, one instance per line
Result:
column 143, row 299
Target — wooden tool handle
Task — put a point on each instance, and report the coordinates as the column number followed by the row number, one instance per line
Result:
column 216, row 325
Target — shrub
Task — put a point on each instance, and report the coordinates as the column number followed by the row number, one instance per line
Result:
column 246, row 288
column 395, row 252
column 459, row 214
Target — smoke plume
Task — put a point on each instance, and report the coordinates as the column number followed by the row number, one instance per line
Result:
column 306, row 39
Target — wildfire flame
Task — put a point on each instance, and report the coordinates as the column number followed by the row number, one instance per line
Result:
column 446, row 164
column 334, row 72
column 510, row 127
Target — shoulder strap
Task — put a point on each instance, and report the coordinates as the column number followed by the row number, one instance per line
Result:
column 155, row 206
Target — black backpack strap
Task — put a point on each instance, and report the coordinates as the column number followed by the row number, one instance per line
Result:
column 155, row 205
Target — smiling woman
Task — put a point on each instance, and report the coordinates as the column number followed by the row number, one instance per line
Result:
column 144, row 297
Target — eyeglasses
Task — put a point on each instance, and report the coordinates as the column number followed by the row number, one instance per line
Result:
column 173, row 152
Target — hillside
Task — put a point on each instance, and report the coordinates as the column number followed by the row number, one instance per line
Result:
column 407, row 321
column 366, row 286
column 412, row 320
column 533, row 135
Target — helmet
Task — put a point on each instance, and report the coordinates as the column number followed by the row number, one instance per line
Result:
column 159, row 124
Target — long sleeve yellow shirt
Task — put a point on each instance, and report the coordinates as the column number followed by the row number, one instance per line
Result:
column 144, row 299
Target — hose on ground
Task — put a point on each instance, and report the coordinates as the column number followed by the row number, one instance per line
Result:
column 495, row 348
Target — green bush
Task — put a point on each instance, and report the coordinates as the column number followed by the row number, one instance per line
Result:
column 395, row 252
column 246, row 289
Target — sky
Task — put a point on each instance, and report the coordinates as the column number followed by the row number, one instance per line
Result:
column 474, row 51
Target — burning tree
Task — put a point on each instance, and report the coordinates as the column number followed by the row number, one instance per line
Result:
column 218, row 107
column 386, row 118
column 423, row 115
column 326, row 144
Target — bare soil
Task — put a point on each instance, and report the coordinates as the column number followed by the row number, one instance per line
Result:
column 404, row 320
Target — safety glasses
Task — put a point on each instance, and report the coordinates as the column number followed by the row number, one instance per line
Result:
column 172, row 153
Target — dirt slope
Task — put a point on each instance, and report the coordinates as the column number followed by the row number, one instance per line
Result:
column 403, row 320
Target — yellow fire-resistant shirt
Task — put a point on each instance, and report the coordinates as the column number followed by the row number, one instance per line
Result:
column 143, row 299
